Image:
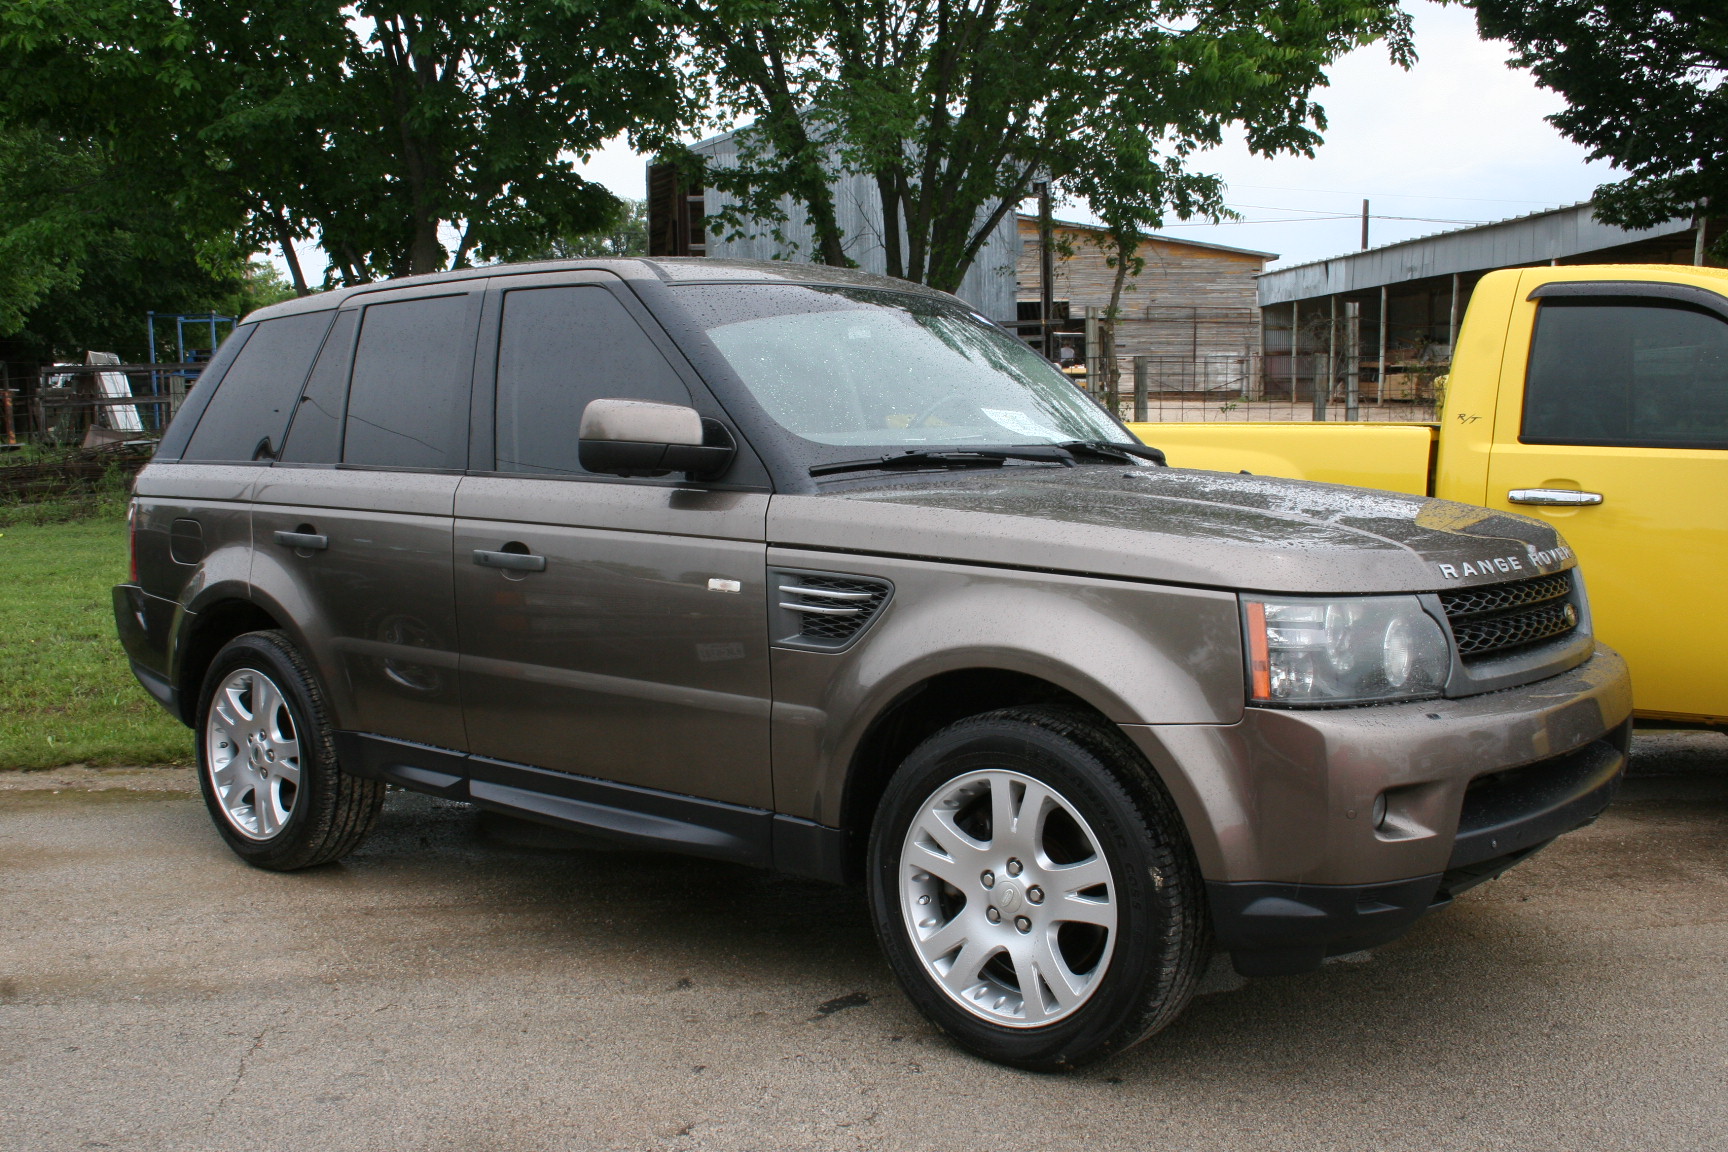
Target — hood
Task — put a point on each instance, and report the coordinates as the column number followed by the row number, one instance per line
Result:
column 1178, row 525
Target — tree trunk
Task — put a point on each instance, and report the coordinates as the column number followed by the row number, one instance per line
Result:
column 1107, row 331
column 285, row 237
column 427, row 255
column 893, row 254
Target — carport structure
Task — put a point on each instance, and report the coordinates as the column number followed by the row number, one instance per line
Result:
column 1390, row 315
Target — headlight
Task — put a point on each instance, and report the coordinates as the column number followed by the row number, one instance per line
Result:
column 1346, row 651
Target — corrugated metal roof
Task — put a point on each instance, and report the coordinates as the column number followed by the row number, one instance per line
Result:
column 1537, row 238
column 1160, row 236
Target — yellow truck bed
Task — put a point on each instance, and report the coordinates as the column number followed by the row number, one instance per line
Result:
column 1395, row 456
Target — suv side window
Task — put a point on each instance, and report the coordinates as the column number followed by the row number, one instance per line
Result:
column 315, row 437
column 1625, row 371
column 408, row 398
column 559, row 348
column 254, row 399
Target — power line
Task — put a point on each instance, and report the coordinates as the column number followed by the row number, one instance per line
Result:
column 1320, row 219
column 1423, row 219
column 1387, row 195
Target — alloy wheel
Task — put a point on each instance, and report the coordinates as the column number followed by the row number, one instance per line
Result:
column 1008, row 898
column 252, row 749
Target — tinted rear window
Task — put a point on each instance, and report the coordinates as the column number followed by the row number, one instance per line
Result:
column 256, row 395
column 1627, row 371
column 315, row 436
column 408, row 399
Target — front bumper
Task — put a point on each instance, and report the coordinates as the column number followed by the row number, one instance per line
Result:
column 1272, row 929
column 1326, row 831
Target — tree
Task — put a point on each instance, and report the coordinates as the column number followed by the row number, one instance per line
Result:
column 1646, row 86
column 84, row 253
column 627, row 237
column 954, row 107
column 405, row 139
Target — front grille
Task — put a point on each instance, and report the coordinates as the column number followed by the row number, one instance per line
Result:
column 1501, row 617
column 827, row 610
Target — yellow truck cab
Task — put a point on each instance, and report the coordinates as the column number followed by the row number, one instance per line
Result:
column 1592, row 397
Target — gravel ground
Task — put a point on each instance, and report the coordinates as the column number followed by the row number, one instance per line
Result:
column 471, row 983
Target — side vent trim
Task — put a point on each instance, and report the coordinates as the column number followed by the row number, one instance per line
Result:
column 823, row 611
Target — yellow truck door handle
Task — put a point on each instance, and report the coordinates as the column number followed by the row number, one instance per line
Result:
column 1554, row 497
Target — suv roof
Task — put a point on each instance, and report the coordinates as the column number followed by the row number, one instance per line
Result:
column 669, row 269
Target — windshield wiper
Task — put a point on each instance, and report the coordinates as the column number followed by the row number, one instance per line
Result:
column 1110, row 450
column 916, row 460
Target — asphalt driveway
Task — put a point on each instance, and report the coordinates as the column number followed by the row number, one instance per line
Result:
column 470, row 983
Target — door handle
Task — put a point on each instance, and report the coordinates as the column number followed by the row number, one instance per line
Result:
column 1554, row 497
column 515, row 561
column 306, row 540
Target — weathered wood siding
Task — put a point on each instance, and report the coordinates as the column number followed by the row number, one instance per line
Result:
column 1188, row 301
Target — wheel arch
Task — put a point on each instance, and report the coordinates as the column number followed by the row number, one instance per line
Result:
column 924, row 708
column 207, row 632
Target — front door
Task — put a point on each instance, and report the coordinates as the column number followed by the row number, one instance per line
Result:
column 1625, row 396
column 630, row 644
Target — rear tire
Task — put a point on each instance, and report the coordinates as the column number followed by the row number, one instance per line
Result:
column 267, row 763
column 1034, row 889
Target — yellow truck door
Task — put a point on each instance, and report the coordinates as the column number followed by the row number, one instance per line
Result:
column 1612, row 424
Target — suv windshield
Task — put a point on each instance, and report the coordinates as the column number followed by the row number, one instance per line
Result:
column 855, row 367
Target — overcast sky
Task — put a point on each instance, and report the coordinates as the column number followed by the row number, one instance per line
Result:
column 1460, row 137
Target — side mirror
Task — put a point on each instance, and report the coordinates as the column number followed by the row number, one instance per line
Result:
column 644, row 438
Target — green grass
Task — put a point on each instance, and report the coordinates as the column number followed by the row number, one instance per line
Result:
column 66, row 694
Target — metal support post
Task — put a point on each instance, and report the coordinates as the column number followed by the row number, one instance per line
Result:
column 150, row 329
column 1094, row 366
column 1698, row 243
column 1046, row 272
column 1380, row 373
column 1452, row 320
column 1142, row 386
column 1295, row 343
column 1323, row 391
column 1352, row 360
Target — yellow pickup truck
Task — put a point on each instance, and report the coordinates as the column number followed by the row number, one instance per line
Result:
column 1594, row 397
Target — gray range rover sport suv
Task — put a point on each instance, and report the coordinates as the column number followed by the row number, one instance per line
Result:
column 823, row 572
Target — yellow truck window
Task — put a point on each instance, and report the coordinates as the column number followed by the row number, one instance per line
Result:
column 1621, row 371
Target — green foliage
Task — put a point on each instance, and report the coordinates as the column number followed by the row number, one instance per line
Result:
column 88, row 245
column 627, row 235
column 1646, row 86
column 954, row 109
column 66, row 694
column 380, row 130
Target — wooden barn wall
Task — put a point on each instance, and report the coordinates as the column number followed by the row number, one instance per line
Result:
column 1188, row 301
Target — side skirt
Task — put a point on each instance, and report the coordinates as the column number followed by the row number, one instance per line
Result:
column 643, row 817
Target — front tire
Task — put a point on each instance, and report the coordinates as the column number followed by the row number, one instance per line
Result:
column 267, row 764
column 1034, row 889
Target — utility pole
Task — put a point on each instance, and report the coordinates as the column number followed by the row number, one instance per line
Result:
column 1046, row 272
column 1364, row 225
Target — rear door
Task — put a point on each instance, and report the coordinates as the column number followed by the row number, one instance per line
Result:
column 352, row 526
column 636, row 652
column 1624, row 396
